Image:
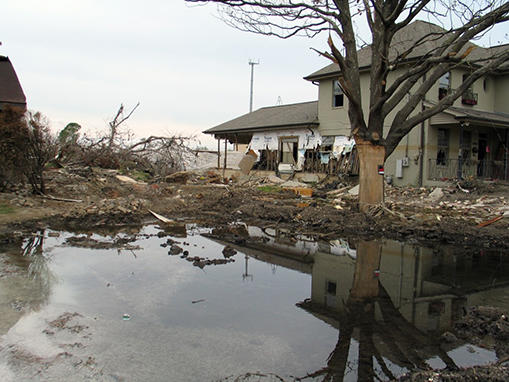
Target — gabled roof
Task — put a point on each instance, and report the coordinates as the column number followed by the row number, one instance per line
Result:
column 405, row 40
column 10, row 88
column 274, row 117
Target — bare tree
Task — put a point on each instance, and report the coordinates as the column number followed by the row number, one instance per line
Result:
column 412, row 75
column 119, row 118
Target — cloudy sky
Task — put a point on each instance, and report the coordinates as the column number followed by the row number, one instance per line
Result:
column 77, row 61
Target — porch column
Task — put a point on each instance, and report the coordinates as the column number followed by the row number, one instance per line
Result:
column 459, row 173
column 225, row 150
column 218, row 153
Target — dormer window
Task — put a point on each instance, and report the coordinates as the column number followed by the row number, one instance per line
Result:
column 444, row 85
column 338, row 96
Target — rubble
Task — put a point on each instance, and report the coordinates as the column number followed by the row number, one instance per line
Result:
column 436, row 194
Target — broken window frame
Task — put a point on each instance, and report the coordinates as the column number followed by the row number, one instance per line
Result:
column 294, row 140
column 338, row 97
column 444, row 85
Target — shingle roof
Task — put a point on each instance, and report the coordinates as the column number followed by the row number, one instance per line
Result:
column 298, row 114
column 478, row 115
column 10, row 88
column 404, row 40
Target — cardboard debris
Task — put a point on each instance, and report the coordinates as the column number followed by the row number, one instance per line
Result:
column 354, row 190
column 247, row 162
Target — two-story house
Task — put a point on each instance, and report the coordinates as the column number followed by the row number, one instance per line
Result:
column 469, row 139
column 11, row 92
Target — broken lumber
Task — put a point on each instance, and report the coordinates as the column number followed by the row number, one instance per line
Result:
column 488, row 222
column 161, row 217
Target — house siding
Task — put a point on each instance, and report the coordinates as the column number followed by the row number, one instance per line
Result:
column 333, row 120
column 501, row 89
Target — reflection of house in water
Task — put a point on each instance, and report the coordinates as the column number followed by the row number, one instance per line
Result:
column 384, row 298
column 428, row 287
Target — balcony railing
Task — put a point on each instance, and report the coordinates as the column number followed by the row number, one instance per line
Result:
column 469, row 168
column 469, row 98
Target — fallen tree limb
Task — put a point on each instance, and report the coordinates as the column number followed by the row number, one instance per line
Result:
column 62, row 199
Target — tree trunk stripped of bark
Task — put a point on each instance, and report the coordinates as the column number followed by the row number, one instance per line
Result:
column 371, row 184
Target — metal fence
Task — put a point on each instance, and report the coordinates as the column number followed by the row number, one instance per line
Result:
column 469, row 168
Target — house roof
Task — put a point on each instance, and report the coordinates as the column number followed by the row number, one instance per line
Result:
column 404, row 40
column 470, row 115
column 275, row 117
column 10, row 88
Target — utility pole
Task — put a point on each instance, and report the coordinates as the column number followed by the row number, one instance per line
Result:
column 252, row 63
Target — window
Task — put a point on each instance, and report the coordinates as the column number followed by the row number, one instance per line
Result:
column 338, row 97
column 468, row 97
column 442, row 147
column 444, row 85
column 288, row 152
column 485, row 84
column 466, row 144
column 331, row 288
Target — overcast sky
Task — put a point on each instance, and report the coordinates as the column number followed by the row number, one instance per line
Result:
column 77, row 61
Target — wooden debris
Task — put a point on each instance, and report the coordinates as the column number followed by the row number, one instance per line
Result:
column 62, row 199
column 161, row 217
column 488, row 222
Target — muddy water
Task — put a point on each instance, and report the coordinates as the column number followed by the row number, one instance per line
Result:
column 116, row 306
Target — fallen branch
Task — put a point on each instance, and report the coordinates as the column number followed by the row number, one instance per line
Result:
column 62, row 199
column 462, row 189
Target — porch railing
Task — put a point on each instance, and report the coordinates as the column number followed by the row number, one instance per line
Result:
column 469, row 168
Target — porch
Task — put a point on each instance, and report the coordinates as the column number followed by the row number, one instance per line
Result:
column 456, row 169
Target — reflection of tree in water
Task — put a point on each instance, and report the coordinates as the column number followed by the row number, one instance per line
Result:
column 28, row 282
column 38, row 270
column 370, row 317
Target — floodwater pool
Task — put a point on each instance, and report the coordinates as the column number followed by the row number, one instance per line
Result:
column 117, row 306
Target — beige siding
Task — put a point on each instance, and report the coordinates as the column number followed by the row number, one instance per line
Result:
column 333, row 120
column 501, row 88
column 493, row 97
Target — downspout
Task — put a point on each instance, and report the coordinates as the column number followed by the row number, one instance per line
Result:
column 421, row 145
column 506, row 155
column 460, row 153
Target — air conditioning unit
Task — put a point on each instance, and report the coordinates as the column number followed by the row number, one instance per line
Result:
column 405, row 162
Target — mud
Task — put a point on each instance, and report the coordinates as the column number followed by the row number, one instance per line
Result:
column 105, row 202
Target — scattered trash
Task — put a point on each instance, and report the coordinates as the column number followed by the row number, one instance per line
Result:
column 126, row 317
column 354, row 190
column 436, row 194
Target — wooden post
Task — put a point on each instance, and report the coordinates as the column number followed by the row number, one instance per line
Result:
column 218, row 153
column 225, row 150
